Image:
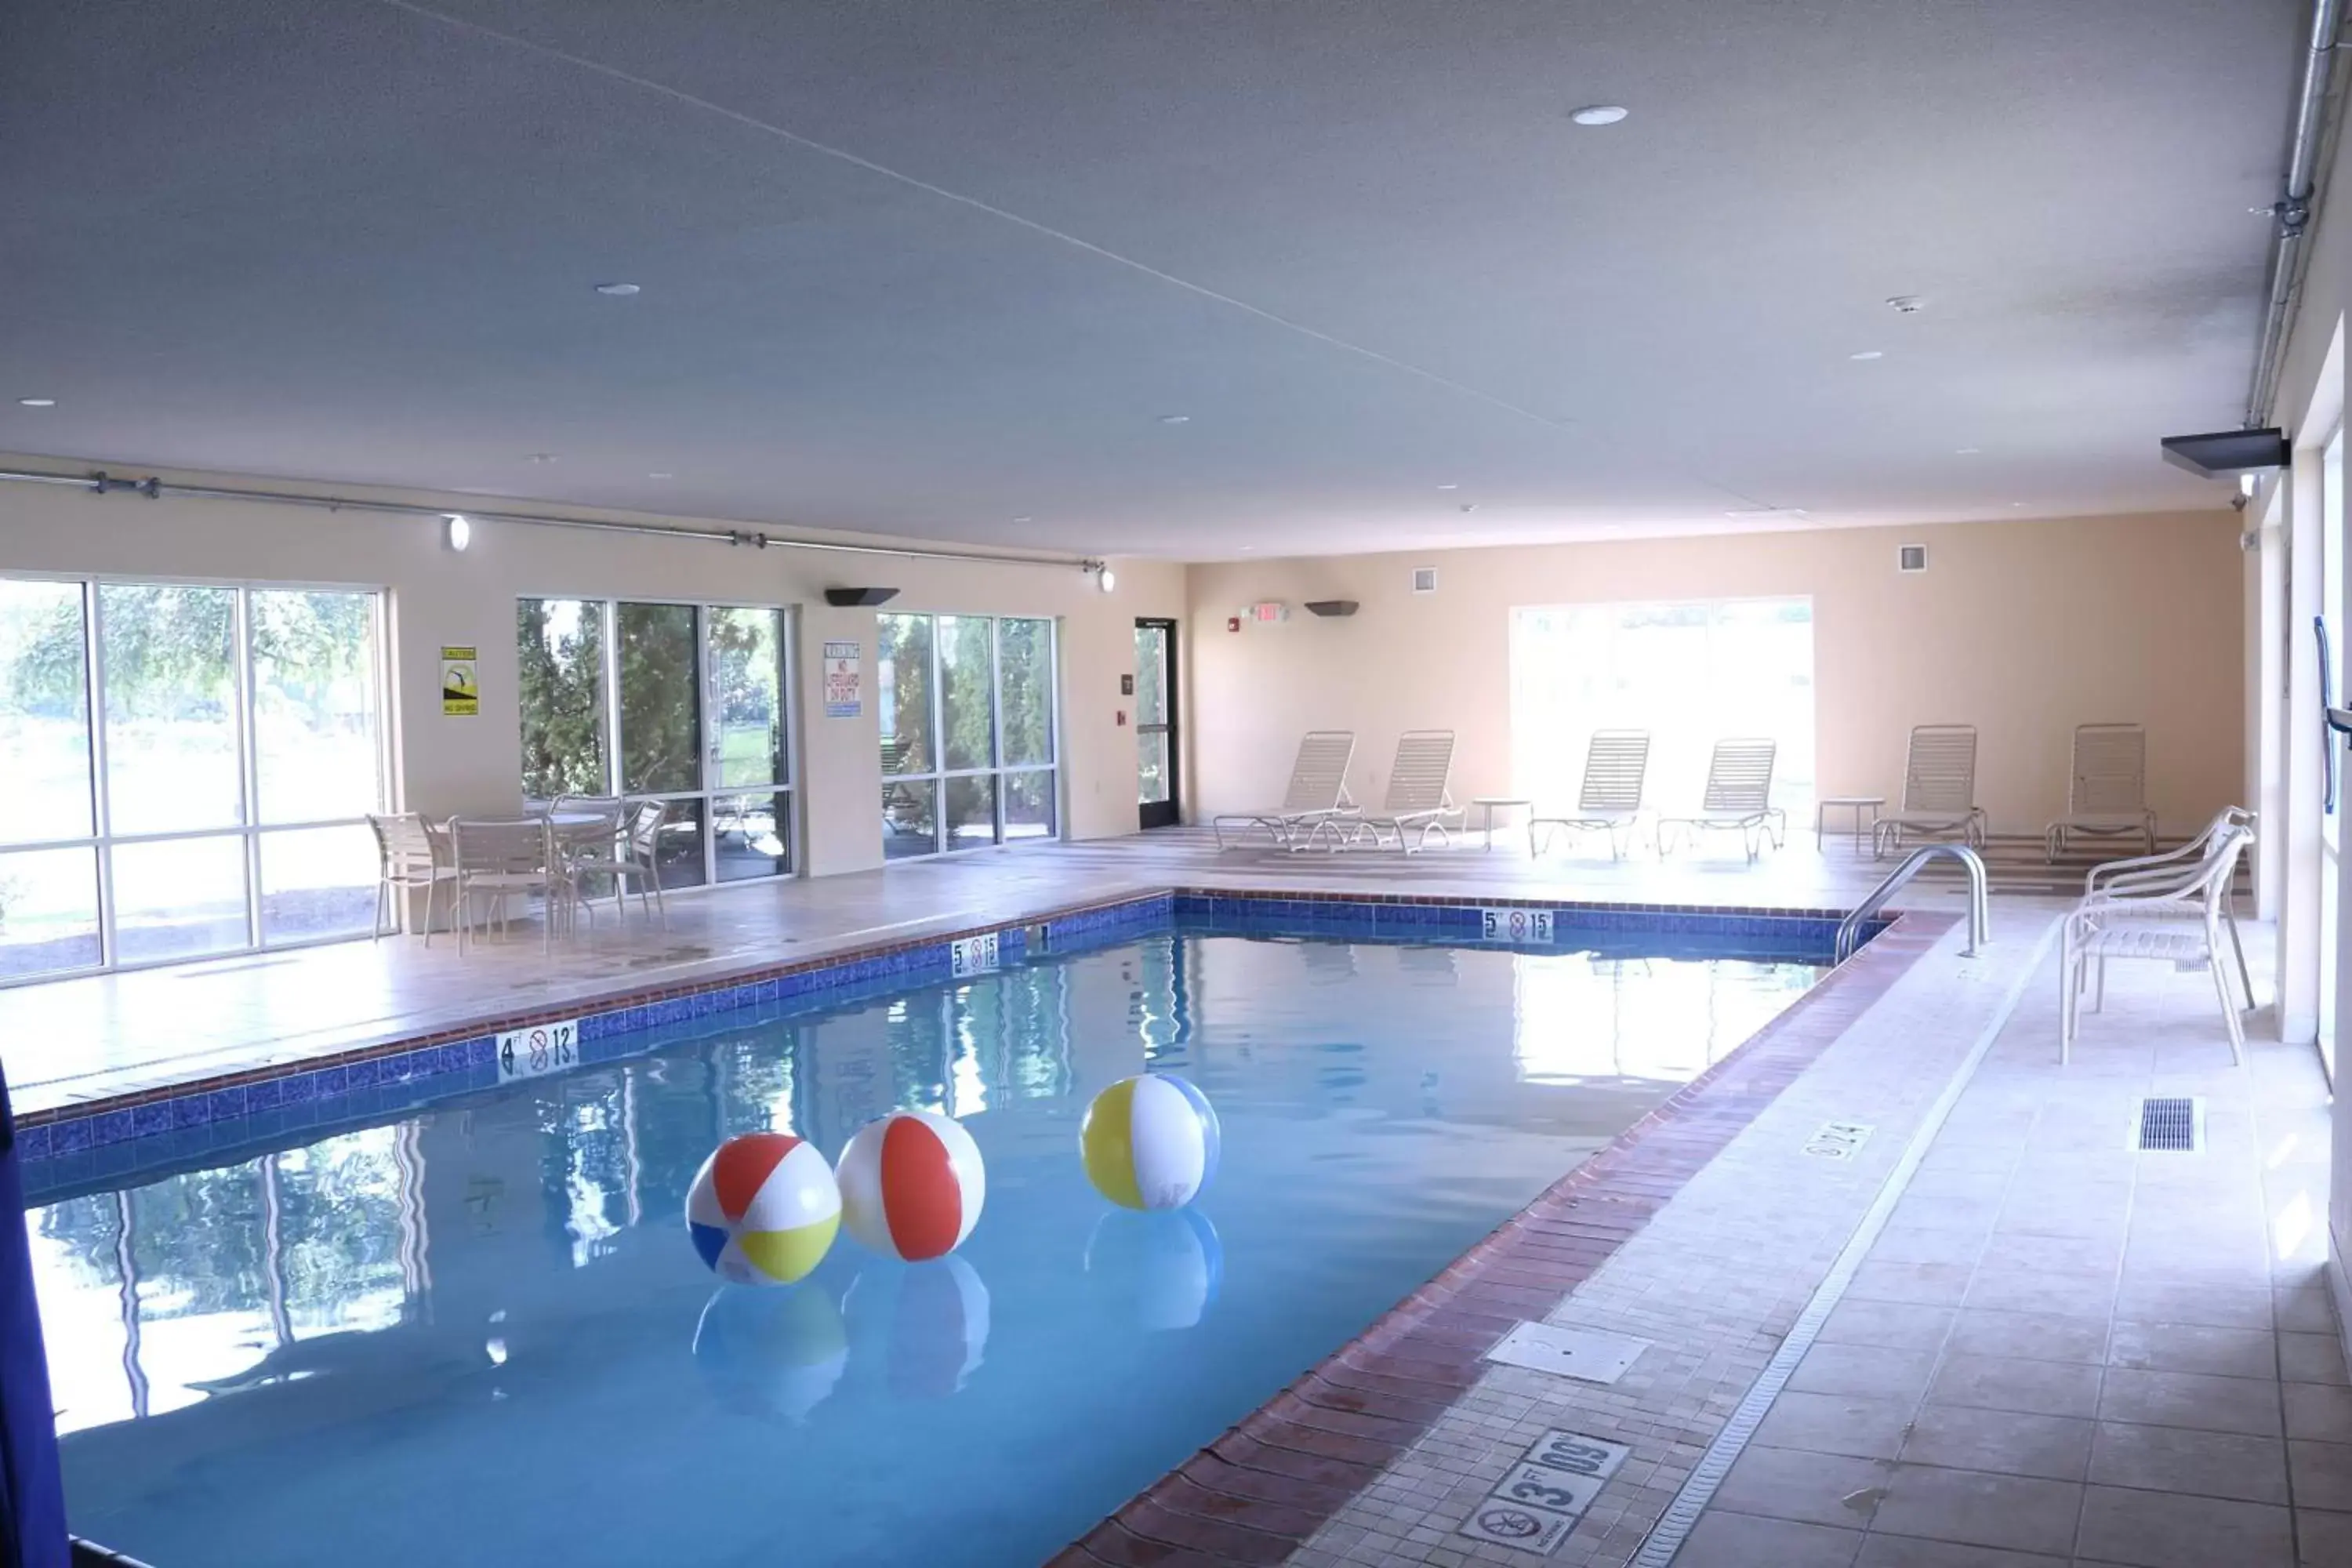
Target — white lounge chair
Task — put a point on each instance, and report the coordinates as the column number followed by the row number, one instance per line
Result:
column 2108, row 795
column 1739, row 797
column 2116, row 882
column 1418, row 802
column 1317, row 797
column 2174, row 917
column 1940, row 789
column 1616, row 766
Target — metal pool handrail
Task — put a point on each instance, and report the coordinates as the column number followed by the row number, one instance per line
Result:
column 1848, row 932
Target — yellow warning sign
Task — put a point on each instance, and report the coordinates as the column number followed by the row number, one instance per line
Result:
column 461, row 694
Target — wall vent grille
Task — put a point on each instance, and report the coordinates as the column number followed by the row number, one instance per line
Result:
column 1425, row 579
column 1911, row 558
column 2171, row 1124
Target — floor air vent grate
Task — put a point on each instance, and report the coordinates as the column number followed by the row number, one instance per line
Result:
column 2172, row 1124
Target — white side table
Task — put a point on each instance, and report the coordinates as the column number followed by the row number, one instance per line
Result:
column 1488, row 803
column 1855, row 804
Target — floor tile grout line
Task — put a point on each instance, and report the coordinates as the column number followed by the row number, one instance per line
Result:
column 1666, row 1540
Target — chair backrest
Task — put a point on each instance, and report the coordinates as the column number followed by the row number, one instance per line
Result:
column 484, row 846
column 2221, row 868
column 1319, row 779
column 1616, row 765
column 606, row 812
column 1739, row 778
column 1417, row 779
column 646, row 819
column 405, row 844
column 2110, row 770
column 1940, row 773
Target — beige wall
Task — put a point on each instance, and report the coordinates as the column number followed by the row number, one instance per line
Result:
column 2024, row 629
column 445, row 765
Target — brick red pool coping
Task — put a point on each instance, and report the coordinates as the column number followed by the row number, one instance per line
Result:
column 1262, row 1490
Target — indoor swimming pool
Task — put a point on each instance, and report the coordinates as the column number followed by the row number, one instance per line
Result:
column 478, row 1333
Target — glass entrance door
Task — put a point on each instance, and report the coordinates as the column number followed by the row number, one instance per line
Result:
column 1155, row 723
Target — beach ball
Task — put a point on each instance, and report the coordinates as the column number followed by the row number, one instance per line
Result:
column 764, row 1209
column 772, row 1353
column 1160, row 1271
column 911, row 1185
column 923, row 1326
column 1149, row 1141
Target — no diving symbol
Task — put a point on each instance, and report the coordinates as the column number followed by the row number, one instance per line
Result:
column 1510, row 1522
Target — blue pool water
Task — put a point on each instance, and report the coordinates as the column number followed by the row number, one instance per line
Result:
column 479, row 1335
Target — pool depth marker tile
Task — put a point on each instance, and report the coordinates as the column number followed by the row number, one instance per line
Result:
column 1664, row 1541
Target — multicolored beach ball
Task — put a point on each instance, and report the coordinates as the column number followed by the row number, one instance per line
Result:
column 764, row 1209
column 1149, row 1141
column 911, row 1185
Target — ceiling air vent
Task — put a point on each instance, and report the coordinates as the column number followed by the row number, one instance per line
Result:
column 1911, row 558
column 1425, row 579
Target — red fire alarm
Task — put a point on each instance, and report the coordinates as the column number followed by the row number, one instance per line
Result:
column 1122, row 717
column 1233, row 623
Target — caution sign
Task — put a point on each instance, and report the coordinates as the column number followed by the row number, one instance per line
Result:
column 461, row 693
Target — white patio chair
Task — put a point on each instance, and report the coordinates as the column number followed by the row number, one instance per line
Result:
column 2174, row 918
column 585, row 848
column 1739, row 797
column 629, row 853
column 1418, row 802
column 2117, row 880
column 2108, row 795
column 1317, row 798
column 1616, row 767
column 503, row 859
column 1939, row 790
column 410, row 854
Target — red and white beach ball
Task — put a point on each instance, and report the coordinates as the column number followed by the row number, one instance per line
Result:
column 764, row 1209
column 911, row 1185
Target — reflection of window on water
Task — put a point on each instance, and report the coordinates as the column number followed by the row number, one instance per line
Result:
column 1585, row 1017
column 201, row 1283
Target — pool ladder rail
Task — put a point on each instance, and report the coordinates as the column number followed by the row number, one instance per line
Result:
column 1850, row 929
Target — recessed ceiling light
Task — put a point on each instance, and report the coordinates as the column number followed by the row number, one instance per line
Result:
column 1449, row 487
column 1025, row 516
column 617, row 290
column 1907, row 304
column 2017, row 503
column 1467, row 506
column 661, row 474
column 1175, row 419
column 542, row 457
column 1869, row 354
column 1598, row 114
column 1967, row 451
column 38, row 402
column 1247, row 548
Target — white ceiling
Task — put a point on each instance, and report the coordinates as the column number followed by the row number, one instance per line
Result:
column 942, row 268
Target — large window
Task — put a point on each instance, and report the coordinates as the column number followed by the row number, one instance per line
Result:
column 968, row 743
column 1689, row 673
column 681, row 703
column 183, row 770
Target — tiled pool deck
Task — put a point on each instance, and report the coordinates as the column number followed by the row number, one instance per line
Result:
column 2058, row 1351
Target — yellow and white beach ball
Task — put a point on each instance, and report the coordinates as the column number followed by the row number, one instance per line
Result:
column 1149, row 1141
column 764, row 1209
column 911, row 1184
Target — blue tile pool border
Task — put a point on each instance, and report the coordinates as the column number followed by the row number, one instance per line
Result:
column 67, row 1145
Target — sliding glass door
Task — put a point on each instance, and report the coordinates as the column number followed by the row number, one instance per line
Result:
column 968, row 732
column 184, row 770
column 682, row 703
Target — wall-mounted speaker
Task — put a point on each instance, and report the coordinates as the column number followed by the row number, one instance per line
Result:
column 848, row 598
column 2223, row 452
column 1332, row 607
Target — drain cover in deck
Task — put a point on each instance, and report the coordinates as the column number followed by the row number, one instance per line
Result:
column 1583, row 1353
column 2173, row 1124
